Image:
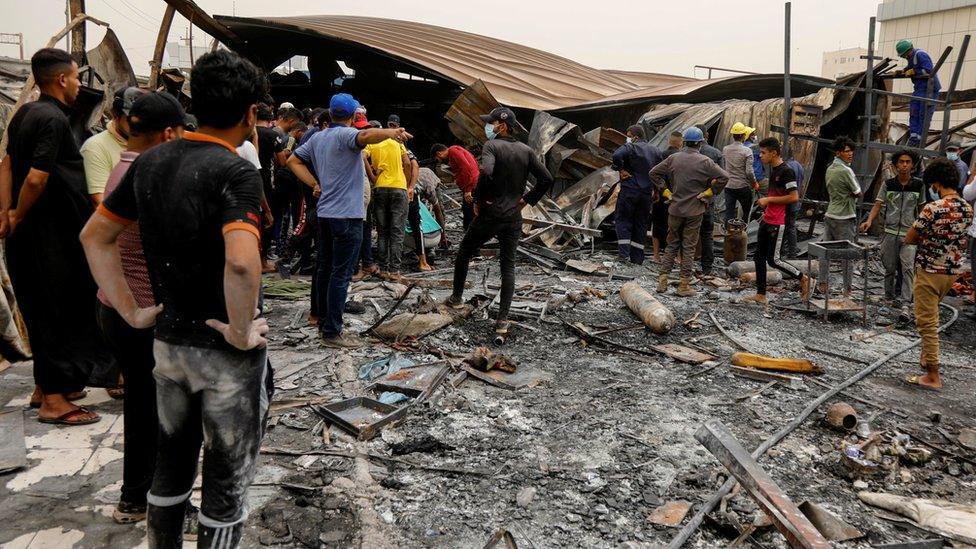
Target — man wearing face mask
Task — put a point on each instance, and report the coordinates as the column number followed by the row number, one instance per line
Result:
column 940, row 234
column 952, row 153
column 634, row 160
column 498, row 201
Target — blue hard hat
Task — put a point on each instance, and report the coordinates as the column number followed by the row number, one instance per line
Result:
column 693, row 135
column 342, row 106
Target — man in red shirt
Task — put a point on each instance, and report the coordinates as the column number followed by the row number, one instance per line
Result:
column 465, row 170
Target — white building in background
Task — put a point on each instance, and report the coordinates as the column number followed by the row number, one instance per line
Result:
column 931, row 25
column 842, row 62
column 177, row 55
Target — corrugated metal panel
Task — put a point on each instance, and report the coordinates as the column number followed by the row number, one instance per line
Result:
column 463, row 118
column 650, row 79
column 516, row 75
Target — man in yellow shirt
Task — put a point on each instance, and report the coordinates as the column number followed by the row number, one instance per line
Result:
column 101, row 152
column 388, row 165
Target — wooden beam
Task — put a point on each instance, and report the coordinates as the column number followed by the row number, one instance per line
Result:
column 785, row 515
column 78, row 34
column 157, row 59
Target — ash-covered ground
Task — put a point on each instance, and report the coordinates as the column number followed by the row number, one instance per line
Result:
column 584, row 458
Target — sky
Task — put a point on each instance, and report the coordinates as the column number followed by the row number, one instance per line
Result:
column 664, row 36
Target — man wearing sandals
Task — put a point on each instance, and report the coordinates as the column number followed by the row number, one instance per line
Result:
column 43, row 205
column 940, row 236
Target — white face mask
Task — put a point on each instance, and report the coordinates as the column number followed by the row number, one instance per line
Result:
column 933, row 194
column 630, row 139
column 952, row 156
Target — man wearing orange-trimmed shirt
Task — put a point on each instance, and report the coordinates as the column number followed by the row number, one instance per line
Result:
column 198, row 206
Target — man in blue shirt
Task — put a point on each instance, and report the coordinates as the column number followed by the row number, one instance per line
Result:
column 634, row 159
column 335, row 154
column 920, row 69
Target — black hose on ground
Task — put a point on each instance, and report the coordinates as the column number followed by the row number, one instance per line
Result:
column 682, row 537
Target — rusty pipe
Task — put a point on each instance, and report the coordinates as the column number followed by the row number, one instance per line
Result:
column 842, row 416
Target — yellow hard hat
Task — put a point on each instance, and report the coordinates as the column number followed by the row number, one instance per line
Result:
column 741, row 129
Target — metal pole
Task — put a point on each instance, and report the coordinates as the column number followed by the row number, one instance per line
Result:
column 948, row 98
column 787, row 100
column 865, row 156
column 929, row 112
column 21, row 36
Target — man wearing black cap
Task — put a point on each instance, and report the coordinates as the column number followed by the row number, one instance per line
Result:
column 498, row 201
column 393, row 121
column 198, row 205
column 153, row 118
column 102, row 151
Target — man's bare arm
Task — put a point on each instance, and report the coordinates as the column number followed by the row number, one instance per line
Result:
column 34, row 185
column 99, row 238
column 301, row 171
column 6, row 194
column 376, row 135
column 913, row 236
column 875, row 210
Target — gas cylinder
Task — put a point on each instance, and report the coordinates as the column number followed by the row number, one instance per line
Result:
column 736, row 241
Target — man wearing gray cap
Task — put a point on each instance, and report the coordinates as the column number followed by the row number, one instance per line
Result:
column 102, row 151
column 952, row 153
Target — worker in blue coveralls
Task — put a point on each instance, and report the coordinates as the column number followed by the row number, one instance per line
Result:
column 634, row 159
column 920, row 70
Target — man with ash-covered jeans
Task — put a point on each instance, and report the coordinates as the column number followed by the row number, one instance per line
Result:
column 198, row 206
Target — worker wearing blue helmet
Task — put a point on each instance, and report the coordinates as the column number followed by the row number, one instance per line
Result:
column 920, row 70
column 689, row 179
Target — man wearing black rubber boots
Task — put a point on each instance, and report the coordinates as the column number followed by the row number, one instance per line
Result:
column 498, row 201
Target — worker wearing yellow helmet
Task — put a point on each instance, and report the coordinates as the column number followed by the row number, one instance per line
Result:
column 920, row 69
column 742, row 176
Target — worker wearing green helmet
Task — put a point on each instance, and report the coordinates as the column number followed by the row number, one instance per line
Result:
column 920, row 69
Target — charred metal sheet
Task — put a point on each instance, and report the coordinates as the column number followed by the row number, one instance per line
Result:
column 546, row 131
column 109, row 61
column 464, row 115
column 692, row 115
column 774, row 502
column 587, row 186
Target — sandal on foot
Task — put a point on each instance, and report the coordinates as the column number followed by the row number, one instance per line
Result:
column 65, row 418
column 913, row 381
column 70, row 397
column 118, row 393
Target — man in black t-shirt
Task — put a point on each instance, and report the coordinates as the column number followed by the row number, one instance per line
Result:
column 271, row 154
column 198, row 208
column 782, row 192
column 44, row 205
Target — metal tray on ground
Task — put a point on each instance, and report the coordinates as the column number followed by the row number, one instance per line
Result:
column 414, row 381
column 362, row 417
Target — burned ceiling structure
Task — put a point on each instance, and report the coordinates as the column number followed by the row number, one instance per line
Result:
column 420, row 77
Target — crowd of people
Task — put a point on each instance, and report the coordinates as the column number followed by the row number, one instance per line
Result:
column 180, row 214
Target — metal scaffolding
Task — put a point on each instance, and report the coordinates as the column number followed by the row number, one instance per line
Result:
column 866, row 144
